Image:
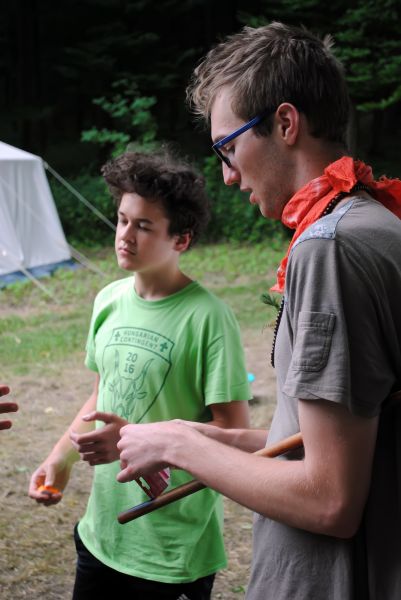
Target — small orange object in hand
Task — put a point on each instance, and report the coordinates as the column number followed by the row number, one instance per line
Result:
column 48, row 488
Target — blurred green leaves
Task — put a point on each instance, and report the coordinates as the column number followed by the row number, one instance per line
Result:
column 133, row 126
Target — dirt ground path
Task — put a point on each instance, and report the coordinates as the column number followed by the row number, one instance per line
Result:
column 37, row 555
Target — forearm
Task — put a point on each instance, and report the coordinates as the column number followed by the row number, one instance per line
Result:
column 276, row 489
column 64, row 449
column 249, row 440
column 324, row 493
column 230, row 425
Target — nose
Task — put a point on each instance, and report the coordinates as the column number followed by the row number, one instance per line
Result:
column 127, row 233
column 230, row 175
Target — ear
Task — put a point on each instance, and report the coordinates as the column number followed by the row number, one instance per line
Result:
column 288, row 123
column 182, row 241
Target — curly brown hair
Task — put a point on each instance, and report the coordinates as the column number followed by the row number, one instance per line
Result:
column 162, row 177
column 269, row 65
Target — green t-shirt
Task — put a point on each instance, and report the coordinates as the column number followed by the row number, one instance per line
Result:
column 160, row 360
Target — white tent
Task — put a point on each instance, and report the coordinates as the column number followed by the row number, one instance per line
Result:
column 31, row 235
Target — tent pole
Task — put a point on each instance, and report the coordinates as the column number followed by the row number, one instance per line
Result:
column 30, row 276
column 71, row 189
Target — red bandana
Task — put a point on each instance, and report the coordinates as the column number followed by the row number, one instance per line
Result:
column 308, row 204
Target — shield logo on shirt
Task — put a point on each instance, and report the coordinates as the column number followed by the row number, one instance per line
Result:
column 135, row 365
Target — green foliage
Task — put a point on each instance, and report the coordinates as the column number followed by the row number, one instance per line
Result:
column 233, row 217
column 370, row 47
column 270, row 300
column 135, row 128
column 367, row 39
column 80, row 224
column 238, row 589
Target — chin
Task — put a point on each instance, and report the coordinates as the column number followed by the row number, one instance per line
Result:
column 265, row 212
column 270, row 212
column 125, row 265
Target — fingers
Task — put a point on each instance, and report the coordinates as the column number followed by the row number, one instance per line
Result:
column 125, row 430
column 6, row 407
column 140, row 452
column 96, row 458
column 93, row 449
column 37, row 479
column 40, row 480
column 4, row 389
column 127, row 474
column 47, row 497
column 87, row 450
column 82, row 441
column 85, row 443
column 95, row 454
column 124, row 438
column 97, row 415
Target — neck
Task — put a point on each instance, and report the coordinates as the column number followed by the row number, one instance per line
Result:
column 312, row 158
column 152, row 286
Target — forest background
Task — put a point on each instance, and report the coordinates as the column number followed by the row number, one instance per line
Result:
column 83, row 79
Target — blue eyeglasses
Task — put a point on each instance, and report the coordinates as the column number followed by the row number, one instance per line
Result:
column 216, row 147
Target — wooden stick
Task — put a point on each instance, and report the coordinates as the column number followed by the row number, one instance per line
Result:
column 291, row 443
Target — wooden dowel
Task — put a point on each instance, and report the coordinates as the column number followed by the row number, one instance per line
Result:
column 291, row 443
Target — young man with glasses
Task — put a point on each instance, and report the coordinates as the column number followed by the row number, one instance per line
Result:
column 328, row 519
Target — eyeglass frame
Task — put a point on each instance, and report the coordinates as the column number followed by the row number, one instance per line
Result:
column 216, row 147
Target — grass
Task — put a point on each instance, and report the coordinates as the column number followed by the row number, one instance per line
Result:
column 38, row 333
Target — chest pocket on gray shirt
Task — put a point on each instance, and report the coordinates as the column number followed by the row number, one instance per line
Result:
column 312, row 340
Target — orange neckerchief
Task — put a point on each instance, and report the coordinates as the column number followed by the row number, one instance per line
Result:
column 308, row 204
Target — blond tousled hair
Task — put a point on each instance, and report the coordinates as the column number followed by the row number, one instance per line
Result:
column 268, row 65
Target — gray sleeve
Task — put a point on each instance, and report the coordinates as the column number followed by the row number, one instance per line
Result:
column 338, row 349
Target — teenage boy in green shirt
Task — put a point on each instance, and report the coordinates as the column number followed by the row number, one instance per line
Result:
column 163, row 348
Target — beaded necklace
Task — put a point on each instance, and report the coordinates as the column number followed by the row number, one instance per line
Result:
column 331, row 205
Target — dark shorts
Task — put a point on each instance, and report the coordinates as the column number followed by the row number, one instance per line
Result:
column 95, row 581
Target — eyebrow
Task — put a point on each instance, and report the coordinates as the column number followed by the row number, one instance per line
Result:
column 141, row 219
column 219, row 138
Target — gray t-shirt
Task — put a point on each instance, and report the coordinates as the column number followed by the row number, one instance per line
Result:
column 340, row 339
